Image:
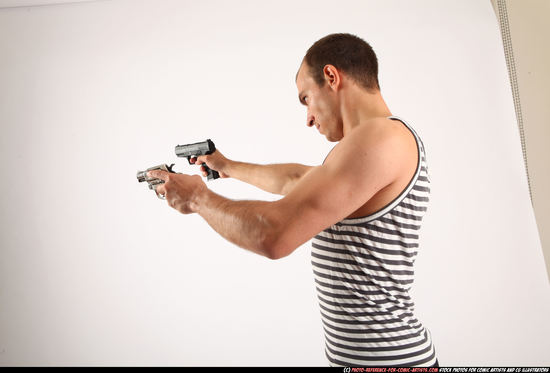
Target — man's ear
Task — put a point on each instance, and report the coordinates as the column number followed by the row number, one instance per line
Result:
column 332, row 76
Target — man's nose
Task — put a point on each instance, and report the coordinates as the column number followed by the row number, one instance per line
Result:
column 310, row 120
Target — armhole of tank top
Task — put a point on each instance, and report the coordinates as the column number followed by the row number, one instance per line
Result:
column 389, row 207
column 328, row 154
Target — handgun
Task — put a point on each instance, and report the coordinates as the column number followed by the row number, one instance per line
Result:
column 153, row 181
column 194, row 150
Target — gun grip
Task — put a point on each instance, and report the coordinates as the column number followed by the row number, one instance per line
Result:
column 212, row 174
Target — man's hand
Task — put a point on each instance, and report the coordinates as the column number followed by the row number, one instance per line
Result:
column 182, row 192
column 215, row 161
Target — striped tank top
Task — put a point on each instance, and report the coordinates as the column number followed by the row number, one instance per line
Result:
column 363, row 270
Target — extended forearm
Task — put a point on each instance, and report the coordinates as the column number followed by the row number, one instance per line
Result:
column 247, row 224
column 273, row 178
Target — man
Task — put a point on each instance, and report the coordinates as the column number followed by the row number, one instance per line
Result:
column 362, row 207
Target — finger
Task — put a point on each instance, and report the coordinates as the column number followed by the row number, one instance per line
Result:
column 158, row 174
column 204, row 172
column 201, row 159
column 160, row 189
column 193, row 159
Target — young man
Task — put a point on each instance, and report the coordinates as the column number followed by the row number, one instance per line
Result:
column 363, row 208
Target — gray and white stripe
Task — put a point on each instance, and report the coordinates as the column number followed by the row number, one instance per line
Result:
column 363, row 270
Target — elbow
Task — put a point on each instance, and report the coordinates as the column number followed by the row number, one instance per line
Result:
column 276, row 239
column 275, row 254
column 274, row 248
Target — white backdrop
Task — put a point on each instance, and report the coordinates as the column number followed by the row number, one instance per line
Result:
column 95, row 270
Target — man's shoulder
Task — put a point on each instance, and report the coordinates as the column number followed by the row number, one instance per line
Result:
column 381, row 136
column 379, row 127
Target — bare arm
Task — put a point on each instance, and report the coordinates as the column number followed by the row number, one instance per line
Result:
column 273, row 178
column 359, row 166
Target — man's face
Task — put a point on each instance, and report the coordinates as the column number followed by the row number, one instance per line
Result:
column 321, row 105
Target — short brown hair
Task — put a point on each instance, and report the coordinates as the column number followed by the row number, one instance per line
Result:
column 348, row 53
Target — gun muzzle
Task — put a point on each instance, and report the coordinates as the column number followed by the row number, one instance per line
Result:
column 153, row 182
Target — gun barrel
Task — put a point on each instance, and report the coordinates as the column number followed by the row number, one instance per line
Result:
column 142, row 176
column 199, row 148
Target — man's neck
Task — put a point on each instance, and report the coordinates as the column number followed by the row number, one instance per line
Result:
column 359, row 106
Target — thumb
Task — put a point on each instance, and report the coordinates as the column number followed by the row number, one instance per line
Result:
column 157, row 174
